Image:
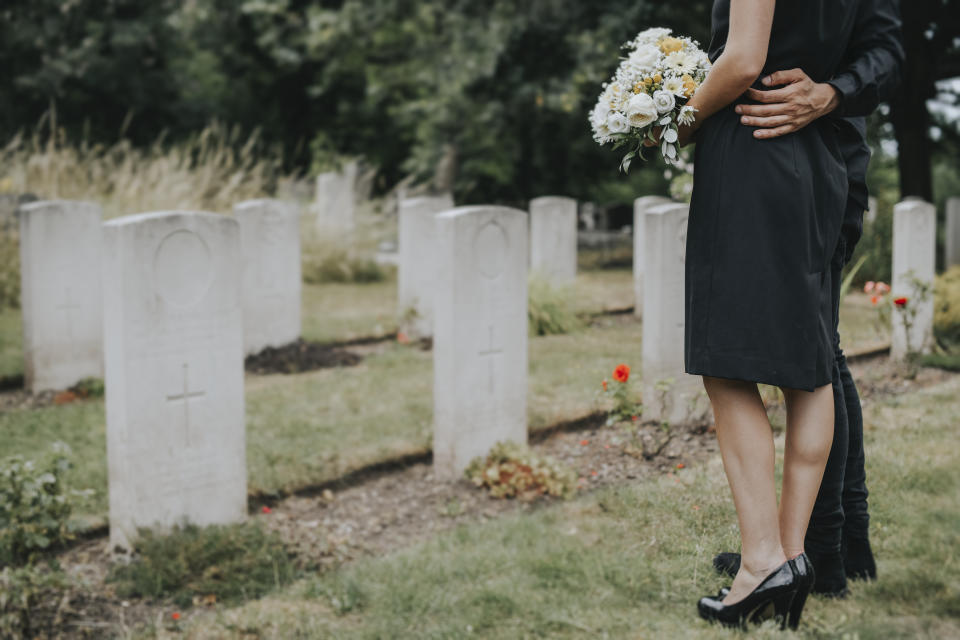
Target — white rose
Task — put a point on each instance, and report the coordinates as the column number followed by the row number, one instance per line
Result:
column 664, row 101
column 641, row 110
column 644, row 57
column 617, row 123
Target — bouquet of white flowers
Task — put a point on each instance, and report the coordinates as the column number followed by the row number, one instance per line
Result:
column 650, row 90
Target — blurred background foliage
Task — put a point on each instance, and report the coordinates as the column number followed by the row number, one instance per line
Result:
column 487, row 98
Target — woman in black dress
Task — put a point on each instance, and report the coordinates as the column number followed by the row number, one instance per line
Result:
column 764, row 222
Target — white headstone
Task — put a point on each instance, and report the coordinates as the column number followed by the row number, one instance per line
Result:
column 871, row 213
column 272, row 284
column 553, row 238
column 61, row 299
column 669, row 394
column 914, row 251
column 417, row 270
column 480, row 334
column 336, row 199
column 174, row 372
column 953, row 232
column 640, row 207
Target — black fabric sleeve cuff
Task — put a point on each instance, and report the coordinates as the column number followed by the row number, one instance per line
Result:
column 845, row 86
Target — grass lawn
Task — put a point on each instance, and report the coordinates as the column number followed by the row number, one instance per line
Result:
column 631, row 561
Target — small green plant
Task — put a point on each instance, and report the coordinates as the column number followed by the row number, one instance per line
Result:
column 549, row 309
column 224, row 563
column 512, row 470
column 340, row 267
column 946, row 308
column 906, row 308
column 26, row 594
column 35, row 507
column 618, row 390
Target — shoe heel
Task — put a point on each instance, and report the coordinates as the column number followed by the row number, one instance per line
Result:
column 796, row 608
column 778, row 608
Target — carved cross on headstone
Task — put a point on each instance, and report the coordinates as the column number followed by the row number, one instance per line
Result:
column 68, row 306
column 185, row 397
column 489, row 353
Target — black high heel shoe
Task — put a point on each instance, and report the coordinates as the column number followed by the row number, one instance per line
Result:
column 807, row 577
column 773, row 597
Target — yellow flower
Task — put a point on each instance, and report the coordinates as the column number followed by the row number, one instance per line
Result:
column 657, row 78
column 670, row 44
column 648, row 81
column 689, row 87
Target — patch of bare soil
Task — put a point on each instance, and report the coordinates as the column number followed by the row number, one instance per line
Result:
column 300, row 356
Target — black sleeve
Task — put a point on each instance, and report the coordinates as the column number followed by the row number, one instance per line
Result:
column 873, row 61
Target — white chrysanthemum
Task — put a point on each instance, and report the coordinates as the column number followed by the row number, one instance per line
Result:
column 680, row 62
column 686, row 116
column 674, row 85
column 664, row 101
column 618, row 123
column 641, row 110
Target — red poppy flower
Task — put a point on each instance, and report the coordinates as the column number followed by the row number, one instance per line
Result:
column 874, row 299
column 681, row 465
column 621, row 373
column 175, row 615
column 634, row 418
column 593, row 473
column 266, row 509
column 604, row 383
column 900, row 302
column 584, row 442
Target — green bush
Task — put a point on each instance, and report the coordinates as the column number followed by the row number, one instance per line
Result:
column 26, row 596
column 512, row 470
column 946, row 301
column 549, row 309
column 225, row 563
column 339, row 266
column 9, row 271
column 35, row 507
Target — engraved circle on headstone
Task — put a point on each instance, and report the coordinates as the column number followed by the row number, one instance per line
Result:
column 682, row 237
column 182, row 268
column 490, row 250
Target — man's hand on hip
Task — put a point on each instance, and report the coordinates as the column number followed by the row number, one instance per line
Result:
column 796, row 104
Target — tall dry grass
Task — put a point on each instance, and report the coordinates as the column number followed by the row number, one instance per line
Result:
column 209, row 171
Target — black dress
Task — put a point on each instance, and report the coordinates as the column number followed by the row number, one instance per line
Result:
column 765, row 219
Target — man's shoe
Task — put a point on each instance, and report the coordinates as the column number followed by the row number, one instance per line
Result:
column 727, row 563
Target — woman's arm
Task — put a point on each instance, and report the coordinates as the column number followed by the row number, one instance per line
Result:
column 740, row 63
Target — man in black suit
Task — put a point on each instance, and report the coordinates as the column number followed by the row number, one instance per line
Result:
column 837, row 539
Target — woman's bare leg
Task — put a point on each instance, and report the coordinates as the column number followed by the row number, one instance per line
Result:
column 746, row 446
column 809, row 437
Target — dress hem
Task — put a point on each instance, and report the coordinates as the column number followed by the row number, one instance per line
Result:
column 760, row 371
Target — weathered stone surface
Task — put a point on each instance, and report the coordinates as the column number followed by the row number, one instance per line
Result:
column 553, row 238
column 914, row 253
column 174, row 372
column 480, row 334
column 272, row 282
column 61, row 298
column 417, row 269
column 640, row 207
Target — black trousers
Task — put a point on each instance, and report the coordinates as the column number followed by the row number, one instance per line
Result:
column 841, row 506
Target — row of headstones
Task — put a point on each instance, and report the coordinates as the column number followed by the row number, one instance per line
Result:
column 61, row 244
column 173, row 343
